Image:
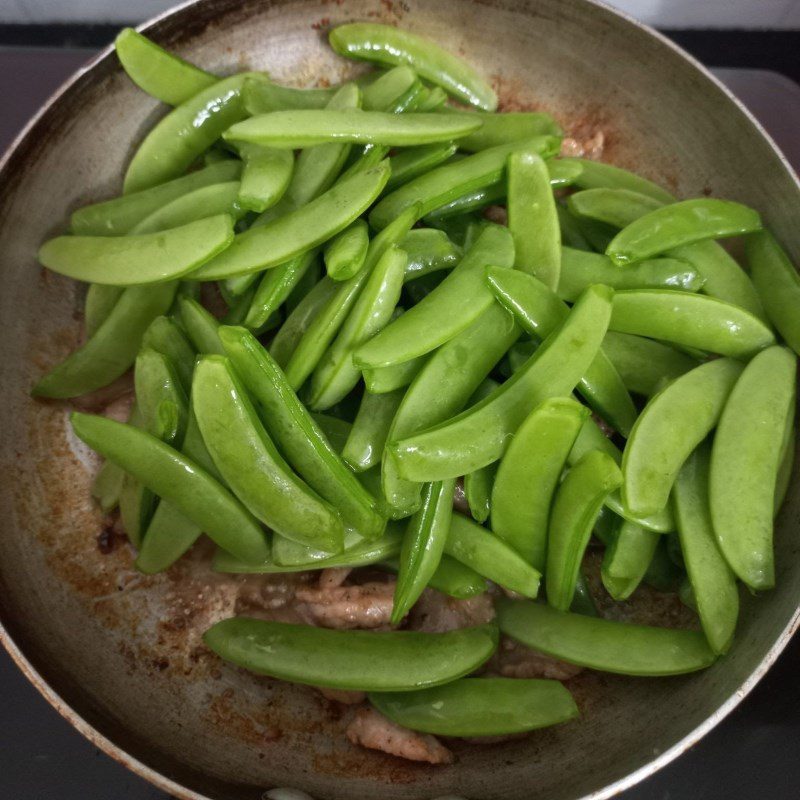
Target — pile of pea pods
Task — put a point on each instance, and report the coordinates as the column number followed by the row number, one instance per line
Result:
column 599, row 365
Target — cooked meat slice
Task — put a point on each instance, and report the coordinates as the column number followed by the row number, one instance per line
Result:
column 435, row 612
column 371, row 729
column 272, row 598
column 496, row 214
column 591, row 147
column 343, row 696
column 333, row 577
column 366, row 606
column 514, row 660
column 459, row 498
column 120, row 408
column 101, row 398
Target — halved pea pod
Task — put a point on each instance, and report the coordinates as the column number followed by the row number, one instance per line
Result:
column 627, row 558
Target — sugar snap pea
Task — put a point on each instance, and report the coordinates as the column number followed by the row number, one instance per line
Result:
column 306, row 128
column 451, row 578
column 777, row 283
column 478, row 484
column 577, row 503
column 107, row 486
column 159, row 73
column 712, row 581
column 510, row 126
column 207, row 201
column 346, row 252
column 113, row 347
column 178, row 480
column 251, row 464
column 681, row 223
column 430, row 99
column 160, row 396
column 146, row 258
column 288, row 553
column 446, row 311
column 580, row 269
column 336, row 375
column 615, row 207
column 744, row 464
column 100, row 299
column 201, row 327
column 388, row 45
column 454, row 179
column 479, row 707
column 359, row 660
column 669, row 428
column 298, row 231
column 598, row 175
column 423, row 545
column 627, row 558
column 262, row 96
column 442, row 388
column 691, row 320
column 553, row 370
column 386, row 379
column 364, row 447
column 188, row 130
column 603, row 644
column 480, row 549
column 429, row 250
column 136, row 501
column 414, row 161
column 529, row 473
column 571, row 232
column 786, row 462
column 165, row 337
column 265, row 177
column 298, row 435
column 540, row 312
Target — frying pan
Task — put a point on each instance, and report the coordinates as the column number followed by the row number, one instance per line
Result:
column 119, row 654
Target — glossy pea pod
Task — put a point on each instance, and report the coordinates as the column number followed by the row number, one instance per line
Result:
column 100, row 301
column 357, row 660
column 529, row 473
column 474, row 707
column 136, row 501
column 577, row 503
column 598, row 175
column 478, row 484
column 669, row 428
column 414, row 161
column 627, row 558
column 386, row 379
column 713, row 583
column 602, row 644
column 298, row 435
column 364, row 447
column 201, row 327
column 177, row 480
column 451, row 577
column 262, row 96
column 744, row 464
column 265, row 176
column 446, row 311
column 540, row 312
column 507, row 127
column 164, row 336
column 289, row 553
column 346, row 252
column 423, row 545
column 389, row 45
column 251, row 464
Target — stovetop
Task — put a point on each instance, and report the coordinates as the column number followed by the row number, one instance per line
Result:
column 754, row 753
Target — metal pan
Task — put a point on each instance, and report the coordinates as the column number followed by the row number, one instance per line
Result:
column 118, row 653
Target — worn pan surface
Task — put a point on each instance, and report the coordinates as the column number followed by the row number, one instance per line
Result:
column 119, row 654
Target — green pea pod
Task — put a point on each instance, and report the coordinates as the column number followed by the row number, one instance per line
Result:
column 415, row 161
column 489, row 556
column 265, row 177
column 201, row 327
column 388, row 45
column 474, row 707
column 580, row 269
column 644, row 363
column 451, row 578
column 478, row 484
column 165, row 337
column 107, row 486
column 454, row 179
column 678, row 224
column 691, row 320
column 177, row 480
column 430, row 99
column 159, row 73
column 361, row 660
column 532, row 218
column 442, row 388
column 346, row 252
column 299, row 321
column 577, row 503
column 712, row 581
column 669, row 428
column 306, row 128
column 100, row 300
column 186, row 132
column 337, row 430
column 326, row 324
column 446, row 311
column 298, row 231
column 112, row 350
column 136, row 501
column 429, row 251
column 364, row 446
column 571, row 233
column 157, row 383
column 387, row 379
column 506, row 128
column 627, row 559
column 251, row 464
column 602, row 644
column 386, row 90
column 207, row 201
column 276, row 286
column 118, row 216
column 615, row 207
column 553, row 370
column 540, row 312
column 529, row 473
column 597, row 175
column 304, row 285
column 592, row 438
column 583, row 601
column 778, row 285
column 336, row 375
column 786, row 462
column 744, row 464
column 298, row 435
column 423, row 546
column 261, row 96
